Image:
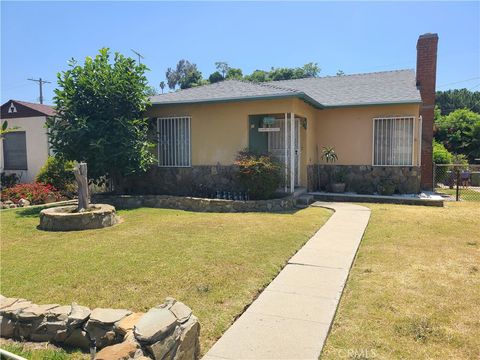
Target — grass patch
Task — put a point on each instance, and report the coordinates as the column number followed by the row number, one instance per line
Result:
column 215, row 263
column 37, row 353
column 465, row 194
column 414, row 289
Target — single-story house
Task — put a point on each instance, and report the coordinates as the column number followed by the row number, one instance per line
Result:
column 380, row 125
column 25, row 150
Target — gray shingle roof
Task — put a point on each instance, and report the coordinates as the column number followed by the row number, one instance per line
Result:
column 389, row 87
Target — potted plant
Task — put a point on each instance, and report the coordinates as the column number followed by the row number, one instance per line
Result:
column 338, row 183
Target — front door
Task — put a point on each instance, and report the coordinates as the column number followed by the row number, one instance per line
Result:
column 277, row 147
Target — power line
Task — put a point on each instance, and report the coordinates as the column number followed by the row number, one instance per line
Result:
column 140, row 56
column 40, row 85
column 460, row 81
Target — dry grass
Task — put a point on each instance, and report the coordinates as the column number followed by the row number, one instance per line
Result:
column 215, row 263
column 414, row 290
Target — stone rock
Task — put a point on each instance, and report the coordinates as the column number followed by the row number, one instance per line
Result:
column 161, row 348
column 122, row 351
column 5, row 302
column 78, row 315
column 7, row 327
column 23, row 202
column 12, row 206
column 128, row 323
column 35, row 311
column 59, row 313
column 156, row 323
column 78, row 339
column 108, row 316
column 189, row 348
column 15, row 308
column 181, row 311
column 8, row 202
column 50, row 198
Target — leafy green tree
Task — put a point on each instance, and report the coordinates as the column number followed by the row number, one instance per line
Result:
column 452, row 100
column 235, row 74
column 162, row 85
column 222, row 68
column 340, row 73
column 215, row 77
column 185, row 75
column 258, row 76
column 100, row 107
column 310, row 70
column 459, row 132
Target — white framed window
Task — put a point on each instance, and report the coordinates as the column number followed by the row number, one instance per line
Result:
column 15, row 150
column 174, row 141
column 393, row 141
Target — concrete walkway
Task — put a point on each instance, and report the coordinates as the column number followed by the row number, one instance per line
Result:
column 292, row 316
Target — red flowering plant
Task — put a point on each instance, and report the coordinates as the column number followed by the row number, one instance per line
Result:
column 260, row 175
column 36, row 193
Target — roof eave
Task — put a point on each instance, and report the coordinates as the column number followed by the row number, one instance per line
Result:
column 300, row 95
column 383, row 103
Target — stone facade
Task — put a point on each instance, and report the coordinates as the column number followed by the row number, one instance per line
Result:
column 166, row 332
column 201, row 181
column 366, row 179
column 196, row 204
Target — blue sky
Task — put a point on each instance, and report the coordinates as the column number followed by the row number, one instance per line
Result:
column 37, row 38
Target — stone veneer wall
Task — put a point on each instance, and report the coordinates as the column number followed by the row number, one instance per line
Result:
column 195, row 204
column 365, row 179
column 189, row 181
column 165, row 332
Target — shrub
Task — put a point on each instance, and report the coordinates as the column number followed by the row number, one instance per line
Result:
column 440, row 154
column 260, row 175
column 36, row 193
column 386, row 187
column 58, row 173
column 9, row 180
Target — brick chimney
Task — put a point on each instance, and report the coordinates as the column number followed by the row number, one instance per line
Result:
column 426, row 77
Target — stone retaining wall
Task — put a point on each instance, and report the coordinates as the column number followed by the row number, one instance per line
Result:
column 199, row 180
column 165, row 332
column 195, row 204
column 365, row 179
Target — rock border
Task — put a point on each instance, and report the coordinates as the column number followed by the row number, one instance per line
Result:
column 166, row 332
column 196, row 204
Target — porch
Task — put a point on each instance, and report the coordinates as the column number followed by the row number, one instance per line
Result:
column 283, row 135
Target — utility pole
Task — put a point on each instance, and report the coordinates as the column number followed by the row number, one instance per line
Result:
column 40, row 84
column 140, row 56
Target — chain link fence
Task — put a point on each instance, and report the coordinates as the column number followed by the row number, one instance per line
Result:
column 457, row 181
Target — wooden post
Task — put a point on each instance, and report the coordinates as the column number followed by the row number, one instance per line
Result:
column 80, row 172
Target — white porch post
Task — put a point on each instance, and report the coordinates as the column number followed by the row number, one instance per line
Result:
column 292, row 152
column 285, row 128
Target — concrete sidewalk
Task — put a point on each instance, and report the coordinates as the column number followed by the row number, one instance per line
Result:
column 292, row 316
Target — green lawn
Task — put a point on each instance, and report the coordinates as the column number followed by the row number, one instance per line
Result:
column 215, row 263
column 466, row 194
column 414, row 289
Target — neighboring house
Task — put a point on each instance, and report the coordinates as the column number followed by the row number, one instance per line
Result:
column 25, row 150
column 380, row 124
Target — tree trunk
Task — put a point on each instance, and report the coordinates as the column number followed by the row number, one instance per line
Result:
column 80, row 172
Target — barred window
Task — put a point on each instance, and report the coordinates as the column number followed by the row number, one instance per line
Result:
column 393, row 141
column 15, row 151
column 174, row 149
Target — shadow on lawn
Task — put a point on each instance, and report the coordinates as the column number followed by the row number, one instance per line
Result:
column 30, row 212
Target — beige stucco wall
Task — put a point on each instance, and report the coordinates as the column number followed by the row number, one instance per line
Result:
column 37, row 146
column 350, row 131
column 220, row 130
